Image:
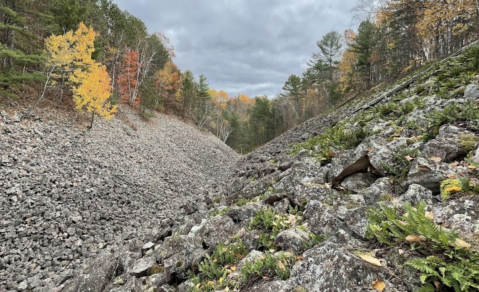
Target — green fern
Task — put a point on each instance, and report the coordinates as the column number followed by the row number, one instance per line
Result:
column 454, row 267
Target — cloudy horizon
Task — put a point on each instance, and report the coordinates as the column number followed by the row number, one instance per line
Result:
column 248, row 47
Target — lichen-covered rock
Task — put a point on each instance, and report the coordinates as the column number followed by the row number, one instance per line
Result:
column 274, row 286
column 141, row 267
column 461, row 214
column 293, row 239
column 216, row 229
column 381, row 187
column 282, row 206
column 357, row 221
column 428, row 173
column 243, row 213
column 95, row 276
column 416, row 194
column 322, row 218
column 178, row 254
column 358, row 182
column 452, row 142
column 472, row 92
column 329, row 268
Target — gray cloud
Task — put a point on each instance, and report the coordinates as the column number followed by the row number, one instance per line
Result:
column 243, row 46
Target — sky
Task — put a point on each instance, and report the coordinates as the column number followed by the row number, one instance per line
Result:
column 243, row 46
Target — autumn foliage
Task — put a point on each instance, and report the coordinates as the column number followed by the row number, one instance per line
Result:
column 128, row 80
column 70, row 55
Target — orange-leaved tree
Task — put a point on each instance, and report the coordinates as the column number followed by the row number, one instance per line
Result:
column 128, row 79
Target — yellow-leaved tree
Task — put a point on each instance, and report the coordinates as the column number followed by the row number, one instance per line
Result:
column 70, row 54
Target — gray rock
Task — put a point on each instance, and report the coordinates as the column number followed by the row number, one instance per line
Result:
column 96, row 275
column 243, row 213
column 322, row 218
column 141, row 267
column 294, row 240
column 357, row 221
column 358, row 182
column 217, row 229
column 381, row 187
column 416, row 194
column 428, row 174
column 329, row 268
column 447, row 145
column 472, row 92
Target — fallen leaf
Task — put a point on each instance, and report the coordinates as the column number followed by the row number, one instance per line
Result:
column 415, row 238
column 330, row 154
column 452, row 176
column 299, row 258
column 233, row 268
column 370, row 259
column 272, row 250
column 239, row 256
column 370, row 150
column 409, row 158
column 436, row 159
column 455, row 163
column 266, row 278
column 198, row 286
column 453, row 189
column 472, row 167
column 221, row 280
column 379, row 285
column 401, row 251
column 429, row 215
column 402, row 222
column 327, row 185
column 461, row 243
column 281, row 266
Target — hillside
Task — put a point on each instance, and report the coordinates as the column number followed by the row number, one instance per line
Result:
column 69, row 193
column 364, row 199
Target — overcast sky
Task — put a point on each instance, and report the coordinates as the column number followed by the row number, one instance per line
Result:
column 243, row 46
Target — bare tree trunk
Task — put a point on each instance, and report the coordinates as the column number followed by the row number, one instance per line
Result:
column 40, row 96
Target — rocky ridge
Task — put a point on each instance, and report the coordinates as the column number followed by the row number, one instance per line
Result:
column 68, row 193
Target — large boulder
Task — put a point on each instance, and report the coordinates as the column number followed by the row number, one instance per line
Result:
column 329, row 268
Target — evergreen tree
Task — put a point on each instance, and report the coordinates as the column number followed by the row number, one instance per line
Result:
column 16, row 48
column 364, row 44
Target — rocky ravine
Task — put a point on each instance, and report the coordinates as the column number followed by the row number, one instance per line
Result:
column 293, row 217
column 67, row 193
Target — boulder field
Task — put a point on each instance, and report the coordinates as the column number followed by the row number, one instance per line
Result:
column 360, row 199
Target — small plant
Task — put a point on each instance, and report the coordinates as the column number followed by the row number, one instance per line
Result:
column 270, row 266
column 447, row 259
column 222, row 211
column 469, row 142
column 407, row 108
column 401, row 164
column 387, row 110
column 242, row 202
column 214, row 269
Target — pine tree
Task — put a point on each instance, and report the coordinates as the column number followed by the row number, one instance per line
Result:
column 364, row 44
column 15, row 48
